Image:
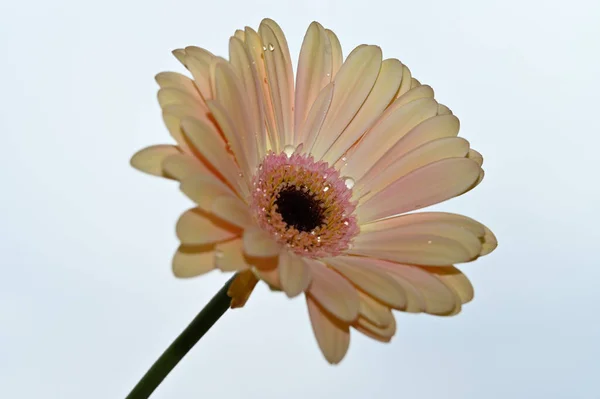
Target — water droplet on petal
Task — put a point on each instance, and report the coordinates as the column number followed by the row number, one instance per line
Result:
column 271, row 47
column 349, row 182
column 429, row 242
column 219, row 253
column 289, row 150
column 264, row 48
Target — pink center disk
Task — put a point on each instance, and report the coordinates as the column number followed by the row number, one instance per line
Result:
column 304, row 204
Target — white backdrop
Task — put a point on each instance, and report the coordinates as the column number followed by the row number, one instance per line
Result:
column 87, row 298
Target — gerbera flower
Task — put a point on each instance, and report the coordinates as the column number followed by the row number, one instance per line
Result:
column 307, row 186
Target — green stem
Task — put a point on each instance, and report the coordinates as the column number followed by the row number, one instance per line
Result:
column 207, row 317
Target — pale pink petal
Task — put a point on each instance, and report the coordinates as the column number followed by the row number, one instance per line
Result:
column 206, row 142
column 256, row 50
column 269, row 276
column 191, row 261
column 309, row 130
column 427, row 244
column 337, row 56
column 173, row 114
column 393, row 125
column 259, row 243
column 181, row 166
column 233, row 210
column 280, row 79
column 379, row 98
column 246, row 70
column 198, row 227
column 429, row 185
column 229, row 256
column 382, row 334
column 333, row 291
column 436, row 222
column 382, row 175
column 314, row 72
column 293, row 273
column 332, row 335
column 374, row 311
column 353, row 83
column 150, row 159
column 234, row 117
column 371, row 280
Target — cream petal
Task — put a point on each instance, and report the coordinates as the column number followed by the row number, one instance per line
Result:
column 232, row 210
column 269, row 276
column 198, row 61
column 405, row 86
column 170, row 96
column 431, row 221
column 280, row 79
column 293, row 273
column 371, row 280
column 374, row 311
column 254, row 46
column 332, row 335
column 434, row 297
column 475, row 156
column 191, row 261
column 229, row 256
column 425, row 186
column 333, row 291
column 259, row 243
column 198, row 227
column 382, row 334
column 209, row 144
column 150, row 159
column 180, row 55
column 414, row 83
column 382, row 174
column 234, row 117
column 246, row 70
column 205, row 189
column 443, row 110
column 353, row 83
column 379, row 98
column 392, row 126
column 174, row 80
column 173, row 114
column 455, row 280
column 337, row 56
column 314, row 73
column 180, row 166
column 314, row 122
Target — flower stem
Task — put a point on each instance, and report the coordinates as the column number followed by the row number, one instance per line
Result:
column 207, row 317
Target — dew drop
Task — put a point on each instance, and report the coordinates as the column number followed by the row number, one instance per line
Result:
column 240, row 174
column 429, row 242
column 264, row 48
column 271, row 47
column 326, row 188
column 349, row 182
column 289, row 150
column 219, row 254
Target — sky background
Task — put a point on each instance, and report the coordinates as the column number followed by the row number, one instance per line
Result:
column 87, row 297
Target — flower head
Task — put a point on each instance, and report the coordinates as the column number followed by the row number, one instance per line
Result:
column 307, row 185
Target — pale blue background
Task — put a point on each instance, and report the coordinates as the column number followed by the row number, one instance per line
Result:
column 87, row 299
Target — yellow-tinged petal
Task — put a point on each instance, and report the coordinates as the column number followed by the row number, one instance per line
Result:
column 379, row 98
column 429, row 185
column 198, row 227
column 150, row 159
column 337, row 56
column 240, row 289
column 332, row 335
column 382, row 334
column 406, row 81
column 333, row 292
column 309, row 130
column 233, row 210
column 294, row 274
column 229, row 256
column 204, row 189
column 475, row 156
column 372, row 281
column 455, row 280
column 191, row 261
column 374, row 311
column 260, row 244
column 353, row 83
